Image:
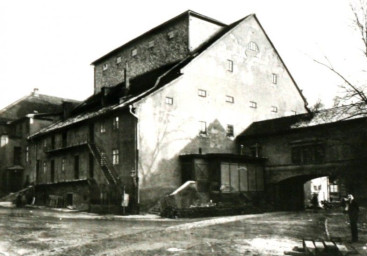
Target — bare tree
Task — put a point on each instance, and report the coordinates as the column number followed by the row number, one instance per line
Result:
column 354, row 94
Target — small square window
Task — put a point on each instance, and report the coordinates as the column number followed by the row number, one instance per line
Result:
column 103, row 128
column 151, row 44
column 229, row 99
column 202, row 93
column 274, row 109
column 115, row 123
column 169, row 100
column 230, row 130
column 118, row 60
column 230, row 65
column 105, row 67
column 253, row 104
column 202, row 127
column 134, row 52
column 171, row 34
column 274, row 78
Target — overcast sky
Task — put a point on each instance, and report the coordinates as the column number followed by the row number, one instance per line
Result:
column 50, row 44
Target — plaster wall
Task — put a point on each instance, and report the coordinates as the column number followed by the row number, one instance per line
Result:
column 168, row 130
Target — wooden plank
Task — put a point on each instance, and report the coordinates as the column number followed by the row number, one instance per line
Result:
column 319, row 246
column 342, row 249
column 309, row 246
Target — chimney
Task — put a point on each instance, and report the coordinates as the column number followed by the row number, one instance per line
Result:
column 126, row 78
column 35, row 92
column 67, row 107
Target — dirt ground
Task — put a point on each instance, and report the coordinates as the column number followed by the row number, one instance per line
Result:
column 45, row 232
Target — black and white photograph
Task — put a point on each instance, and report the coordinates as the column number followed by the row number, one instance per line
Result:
column 152, row 128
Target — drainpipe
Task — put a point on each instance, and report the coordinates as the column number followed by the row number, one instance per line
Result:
column 136, row 160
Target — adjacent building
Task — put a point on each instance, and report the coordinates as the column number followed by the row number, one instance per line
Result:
column 167, row 107
column 299, row 148
column 17, row 121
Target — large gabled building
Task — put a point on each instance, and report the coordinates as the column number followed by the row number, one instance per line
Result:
column 165, row 103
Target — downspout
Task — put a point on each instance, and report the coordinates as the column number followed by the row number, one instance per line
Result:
column 136, row 160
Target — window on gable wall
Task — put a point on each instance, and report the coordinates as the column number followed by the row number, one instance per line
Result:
column 202, row 93
column 202, row 127
column 105, row 67
column 115, row 157
column 169, row 100
column 115, row 123
column 274, row 109
column 229, row 99
column 274, row 78
column 253, row 46
column 118, row 60
column 230, row 130
column 253, row 104
column 230, row 65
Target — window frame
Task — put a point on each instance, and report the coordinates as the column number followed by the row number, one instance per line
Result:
column 253, row 104
column 202, row 93
column 203, row 129
column 230, row 65
column 169, row 100
column 230, row 130
column 274, row 78
column 115, row 123
column 274, row 109
column 229, row 99
column 115, row 157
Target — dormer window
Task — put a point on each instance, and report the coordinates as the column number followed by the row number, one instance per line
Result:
column 105, row 67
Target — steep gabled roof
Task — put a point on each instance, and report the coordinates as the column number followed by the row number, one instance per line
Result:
column 335, row 115
column 143, row 85
column 157, row 28
column 33, row 103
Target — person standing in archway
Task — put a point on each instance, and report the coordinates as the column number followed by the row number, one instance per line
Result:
column 353, row 211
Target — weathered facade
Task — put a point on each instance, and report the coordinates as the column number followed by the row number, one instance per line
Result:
column 303, row 147
column 188, row 86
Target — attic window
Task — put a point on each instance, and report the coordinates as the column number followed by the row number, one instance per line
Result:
column 229, row 99
column 134, row 52
column 274, row 78
column 202, row 93
column 253, row 46
column 202, row 127
column 151, row 44
column 253, row 104
column 118, row 60
column 230, row 130
column 274, row 109
column 230, row 65
column 169, row 101
column 105, row 67
column 171, row 34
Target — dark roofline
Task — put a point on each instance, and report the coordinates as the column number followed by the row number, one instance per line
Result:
column 285, row 66
column 223, row 156
column 182, row 15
